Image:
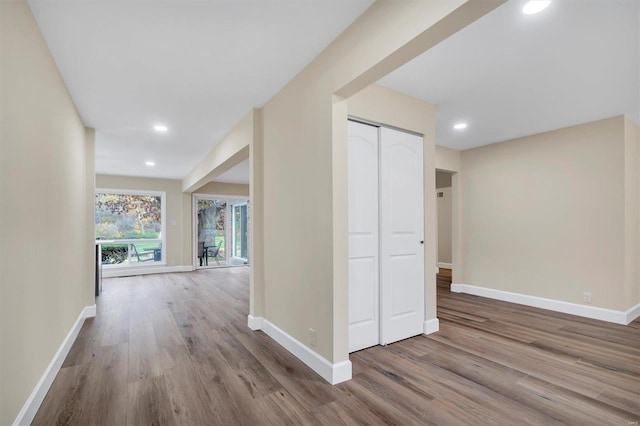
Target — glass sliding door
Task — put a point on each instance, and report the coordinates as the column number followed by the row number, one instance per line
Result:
column 211, row 227
column 221, row 227
column 240, row 231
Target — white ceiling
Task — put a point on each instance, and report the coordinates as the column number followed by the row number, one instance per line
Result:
column 196, row 66
column 237, row 174
column 509, row 75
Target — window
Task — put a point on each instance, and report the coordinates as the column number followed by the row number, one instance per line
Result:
column 133, row 225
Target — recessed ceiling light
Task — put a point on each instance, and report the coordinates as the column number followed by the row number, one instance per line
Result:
column 149, row 163
column 460, row 126
column 535, row 6
column 160, row 128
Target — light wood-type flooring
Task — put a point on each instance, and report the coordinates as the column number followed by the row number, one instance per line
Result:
column 175, row 349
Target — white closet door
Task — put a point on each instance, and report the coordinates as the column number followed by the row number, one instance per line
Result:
column 364, row 309
column 401, row 235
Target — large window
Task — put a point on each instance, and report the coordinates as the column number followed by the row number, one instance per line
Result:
column 131, row 224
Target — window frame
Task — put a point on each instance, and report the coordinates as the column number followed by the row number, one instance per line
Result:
column 163, row 227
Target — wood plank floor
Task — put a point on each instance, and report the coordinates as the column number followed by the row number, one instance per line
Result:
column 175, row 349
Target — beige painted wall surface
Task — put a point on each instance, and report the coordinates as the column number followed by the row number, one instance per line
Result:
column 44, row 279
column 305, row 201
column 443, row 179
column 447, row 159
column 178, row 211
column 444, row 225
column 384, row 106
column 544, row 215
column 222, row 188
column 632, row 213
column 256, row 224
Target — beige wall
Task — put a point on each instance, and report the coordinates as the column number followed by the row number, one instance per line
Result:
column 445, row 206
column 305, row 164
column 178, row 211
column 222, row 188
column 443, row 179
column 632, row 212
column 447, row 159
column 544, row 215
column 46, row 276
column 384, row 106
column 256, row 223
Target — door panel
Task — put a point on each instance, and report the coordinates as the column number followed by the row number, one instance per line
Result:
column 401, row 234
column 364, row 309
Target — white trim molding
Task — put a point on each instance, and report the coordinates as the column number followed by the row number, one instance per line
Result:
column 130, row 271
column 431, row 326
column 254, row 323
column 332, row 373
column 445, row 265
column 593, row 312
column 633, row 313
column 31, row 406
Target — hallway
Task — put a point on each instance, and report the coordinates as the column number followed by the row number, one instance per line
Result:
column 175, row 349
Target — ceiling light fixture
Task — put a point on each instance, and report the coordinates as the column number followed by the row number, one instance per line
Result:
column 160, row 128
column 460, row 126
column 535, row 6
column 149, row 163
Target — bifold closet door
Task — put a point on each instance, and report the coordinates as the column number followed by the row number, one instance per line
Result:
column 364, row 292
column 401, row 235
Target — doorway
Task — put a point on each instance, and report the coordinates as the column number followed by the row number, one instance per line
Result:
column 221, row 231
column 444, row 205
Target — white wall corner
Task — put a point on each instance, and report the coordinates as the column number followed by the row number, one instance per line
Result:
column 457, row 288
column 254, row 323
column 445, row 265
column 431, row 326
column 632, row 313
column 332, row 373
column 341, row 372
column 89, row 311
column 587, row 311
column 31, row 406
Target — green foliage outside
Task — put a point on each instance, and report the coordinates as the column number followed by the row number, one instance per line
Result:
column 126, row 216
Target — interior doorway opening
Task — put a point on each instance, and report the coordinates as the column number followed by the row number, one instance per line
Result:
column 444, row 205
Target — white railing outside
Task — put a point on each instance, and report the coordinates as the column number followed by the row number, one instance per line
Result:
column 134, row 257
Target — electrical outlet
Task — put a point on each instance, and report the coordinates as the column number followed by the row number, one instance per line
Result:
column 586, row 298
column 312, row 337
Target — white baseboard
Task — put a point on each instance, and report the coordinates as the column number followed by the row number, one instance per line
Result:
column 31, row 406
column 445, row 265
column 254, row 323
column 633, row 313
column 332, row 373
column 609, row 315
column 431, row 326
column 130, row 271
